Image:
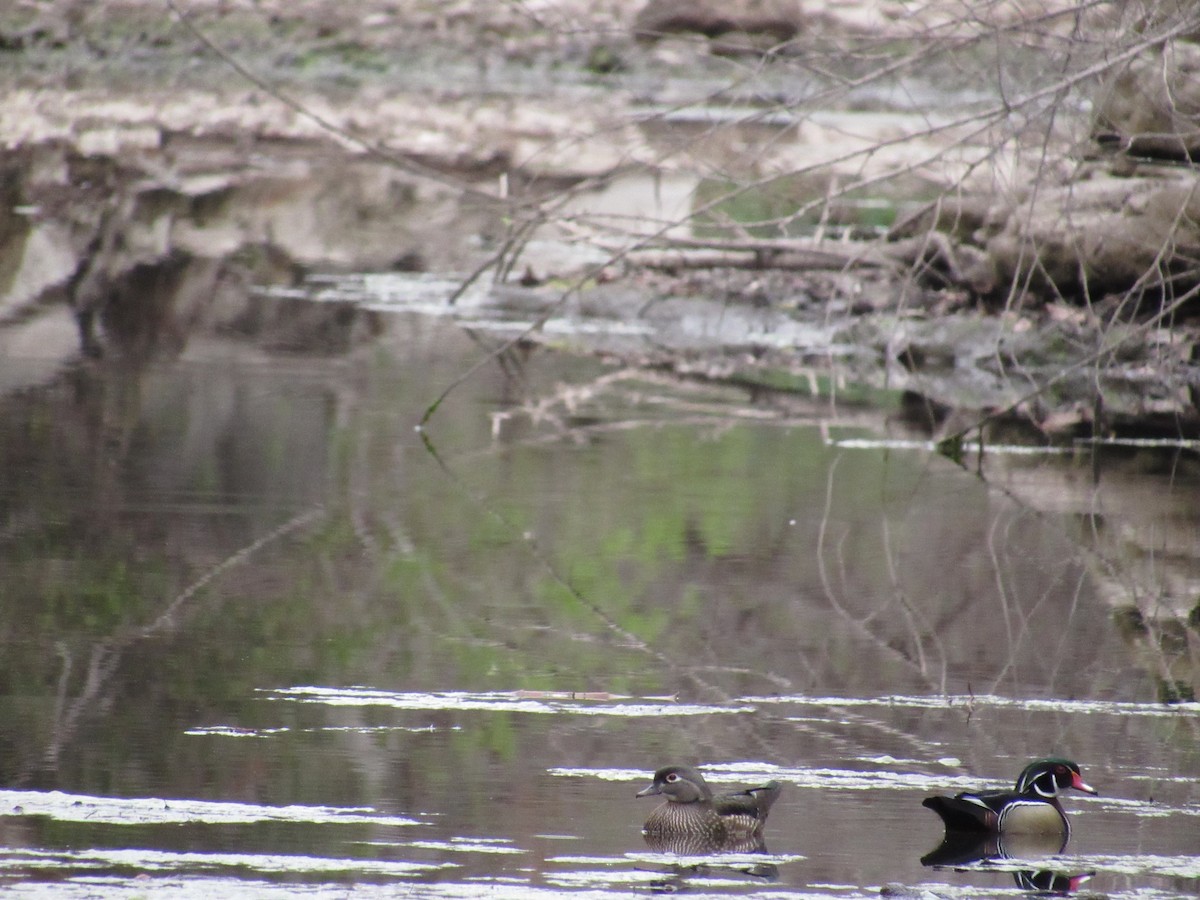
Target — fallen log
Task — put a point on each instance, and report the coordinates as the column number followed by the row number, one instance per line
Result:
column 792, row 254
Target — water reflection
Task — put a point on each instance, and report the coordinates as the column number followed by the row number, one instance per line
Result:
column 236, row 577
column 968, row 852
column 684, row 875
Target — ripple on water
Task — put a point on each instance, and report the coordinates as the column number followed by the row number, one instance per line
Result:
column 818, row 778
column 538, row 703
column 158, row 811
column 153, row 861
column 1141, row 864
column 967, row 701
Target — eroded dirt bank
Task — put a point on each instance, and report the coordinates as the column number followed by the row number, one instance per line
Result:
column 164, row 165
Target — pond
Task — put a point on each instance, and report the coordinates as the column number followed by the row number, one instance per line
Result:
column 263, row 636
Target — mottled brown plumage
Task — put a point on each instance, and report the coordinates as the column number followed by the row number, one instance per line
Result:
column 693, row 811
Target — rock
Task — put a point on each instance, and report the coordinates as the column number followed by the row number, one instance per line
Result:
column 1151, row 107
column 778, row 20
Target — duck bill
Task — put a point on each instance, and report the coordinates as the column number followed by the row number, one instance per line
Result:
column 1077, row 880
column 1079, row 785
column 649, row 791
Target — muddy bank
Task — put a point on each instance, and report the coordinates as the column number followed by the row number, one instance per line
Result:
column 166, row 173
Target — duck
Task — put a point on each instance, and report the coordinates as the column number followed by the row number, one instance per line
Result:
column 692, row 810
column 1032, row 807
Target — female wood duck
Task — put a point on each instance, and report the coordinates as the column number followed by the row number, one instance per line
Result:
column 1031, row 807
column 692, row 810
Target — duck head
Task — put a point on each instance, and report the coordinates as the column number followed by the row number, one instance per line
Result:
column 1046, row 777
column 679, row 784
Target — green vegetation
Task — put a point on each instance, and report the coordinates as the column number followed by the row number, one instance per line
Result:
column 795, row 205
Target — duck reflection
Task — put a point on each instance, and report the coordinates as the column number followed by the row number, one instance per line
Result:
column 703, row 845
column 962, row 850
column 693, row 848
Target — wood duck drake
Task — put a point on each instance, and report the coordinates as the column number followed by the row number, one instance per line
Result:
column 691, row 809
column 1031, row 807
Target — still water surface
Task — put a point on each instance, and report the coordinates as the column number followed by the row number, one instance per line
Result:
column 262, row 637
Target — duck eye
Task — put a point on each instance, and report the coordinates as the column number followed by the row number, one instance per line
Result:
column 672, row 778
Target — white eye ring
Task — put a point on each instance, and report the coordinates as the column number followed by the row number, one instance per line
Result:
column 672, row 778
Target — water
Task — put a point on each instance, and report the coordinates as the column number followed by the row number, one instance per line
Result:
column 262, row 637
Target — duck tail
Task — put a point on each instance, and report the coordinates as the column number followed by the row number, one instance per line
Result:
column 958, row 815
column 766, row 795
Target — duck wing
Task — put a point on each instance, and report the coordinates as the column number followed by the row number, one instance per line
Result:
column 755, row 802
column 971, row 811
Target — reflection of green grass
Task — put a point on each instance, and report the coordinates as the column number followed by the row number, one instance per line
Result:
column 495, row 732
column 415, row 581
column 94, row 598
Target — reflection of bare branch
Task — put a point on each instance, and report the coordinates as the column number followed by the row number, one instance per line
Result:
column 998, row 571
column 60, row 695
column 688, row 399
column 550, row 410
column 628, row 638
column 859, row 625
column 107, row 653
column 105, row 657
column 166, row 618
column 919, row 632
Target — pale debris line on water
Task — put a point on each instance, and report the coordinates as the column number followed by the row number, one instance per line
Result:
column 571, row 397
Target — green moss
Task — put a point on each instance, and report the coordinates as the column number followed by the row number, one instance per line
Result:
column 794, row 206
